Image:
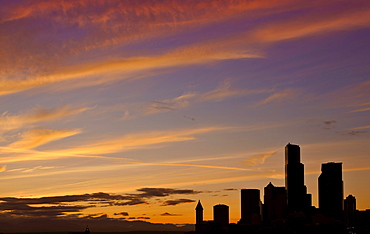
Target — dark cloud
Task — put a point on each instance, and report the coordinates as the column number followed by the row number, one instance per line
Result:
column 329, row 124
column 143, row 218
column 162, row 106
column 63, row 205
column 66, row 198
column 187, row 117
column 230, row 189
column 177, row 202
column 351, row 133
column 122, row 213
column 163, row 192
column 169, row 214
column 132, row 202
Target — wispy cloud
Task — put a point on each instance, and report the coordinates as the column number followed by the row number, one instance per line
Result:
column 225, row 91
column 37, row 137
column 308, row 25
column 126, row 68
column 258, row 159
column 362, row 127
column 28, row 170
column 279, row 97
column 38, row 114
column 360, row 110
column 222, row 92
column 128, row 142
column 351, row 133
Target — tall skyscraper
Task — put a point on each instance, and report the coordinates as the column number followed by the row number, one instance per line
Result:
column 297, row 198
column 250, row 206
column 331, row 190
column 221, row 214
column 275, row 206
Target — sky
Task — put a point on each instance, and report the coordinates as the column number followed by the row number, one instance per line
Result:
column 128, row 112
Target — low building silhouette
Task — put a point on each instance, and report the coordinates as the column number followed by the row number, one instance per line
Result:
column 221, row 214
column 350, row 211
column 275, row 204
column 250, row 207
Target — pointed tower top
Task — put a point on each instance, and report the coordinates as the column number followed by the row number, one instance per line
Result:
column 199, row 206
column 87, row 230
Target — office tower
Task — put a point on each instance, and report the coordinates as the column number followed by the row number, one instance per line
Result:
column 275, row 206
column 331, row 190
column 294, row 180
column 250, row 206
column 349, row 210
column 221, row 214
column 199, row 218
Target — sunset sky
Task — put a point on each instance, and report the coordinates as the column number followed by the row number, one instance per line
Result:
column 135, row 110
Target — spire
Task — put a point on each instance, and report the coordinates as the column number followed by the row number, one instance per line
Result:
column 199, row 206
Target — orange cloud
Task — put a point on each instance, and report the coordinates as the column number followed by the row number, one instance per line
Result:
column 125, row 143
column 362, row 127
column 125, row 68
column 312, row 25
column 257, row 159
column 37, row 137
column 28, row 170
column 225, row 91
column 11, row 122
column 2, row 168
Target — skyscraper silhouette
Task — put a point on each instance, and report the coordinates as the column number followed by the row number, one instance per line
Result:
column 221, row 214
column 275, row 206
column 350, row 210
column 297, row 198
column 250, row 206
column 331, row 190
column 199, row 218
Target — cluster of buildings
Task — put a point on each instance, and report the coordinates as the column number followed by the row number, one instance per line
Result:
column 289, row 209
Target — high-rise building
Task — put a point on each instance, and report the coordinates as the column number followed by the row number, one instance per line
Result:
column 275, row 206
column 221, row 214
column 350, row 210
column 297, row 198
column 250, row 206
column 331, row 190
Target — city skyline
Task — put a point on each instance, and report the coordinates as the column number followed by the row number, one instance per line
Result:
column 135, row 110
column 289, row 209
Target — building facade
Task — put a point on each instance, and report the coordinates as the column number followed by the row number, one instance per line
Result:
column 330, row 185
column 275, row 205
column 297, row 198
column 250, row 206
